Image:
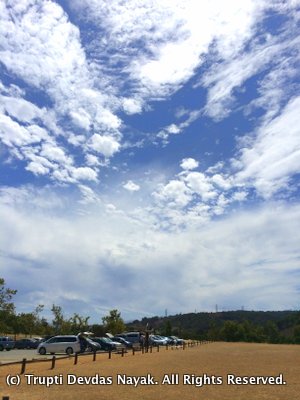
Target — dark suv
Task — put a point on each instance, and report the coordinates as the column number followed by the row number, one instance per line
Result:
column 26, row 344
column 6, row 343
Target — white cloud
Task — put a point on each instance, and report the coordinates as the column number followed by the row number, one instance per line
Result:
column 189, row 163
column 108, row 119
column 274, row 156
column 104, row 249
column 84, row 173
column 55, row 65
column 215, row 168
column 274, row 51
column 105, row 145
column 92, row 160
column 63, row 175
column 55, row 153
column 20, row 109
column 201, row 185
column 240, row 196
column 222, row 182
column 76, row 140
column 172, row 36
column 13, row 134
column 37, row 168
column 173, row 129
column 174, row 193
column 145, row 51
column 88, row 194
column 132, row 106
column 131, row 186
column 43, row 48
column 81, row 118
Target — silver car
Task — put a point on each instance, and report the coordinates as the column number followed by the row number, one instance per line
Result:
column 68, row 344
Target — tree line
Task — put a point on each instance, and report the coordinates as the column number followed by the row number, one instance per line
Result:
column 32, row 323
column 231, row 326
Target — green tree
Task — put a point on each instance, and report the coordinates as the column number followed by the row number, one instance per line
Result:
column 78, row 323
column 98, row 330
column 7, row 307
column 26, row 323
column 252, row 333
column 61, row 326
column 113, row 322
column 297, row 334
column 232, row 331
column 6, row 295
column 272, row 332
column 213, row 331
column 168, row 328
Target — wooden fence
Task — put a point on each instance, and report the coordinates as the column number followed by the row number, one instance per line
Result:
column 76, row 356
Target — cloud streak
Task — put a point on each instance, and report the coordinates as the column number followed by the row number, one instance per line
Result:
column 97, row 251
column 149, row 143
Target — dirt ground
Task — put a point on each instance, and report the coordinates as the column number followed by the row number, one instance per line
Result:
column 210, row 364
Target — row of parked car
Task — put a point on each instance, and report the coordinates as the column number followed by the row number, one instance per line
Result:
column 70, row 344
column 154, row 340
column 7, row 343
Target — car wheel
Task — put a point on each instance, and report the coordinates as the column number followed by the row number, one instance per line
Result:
column 42, row 351
column 1, row 348
column 8, row 349
column 69, row 351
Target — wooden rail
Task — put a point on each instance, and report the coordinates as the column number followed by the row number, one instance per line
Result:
column 76, row 356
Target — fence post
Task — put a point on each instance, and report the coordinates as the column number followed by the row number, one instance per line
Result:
column 158, row 348
column 94, row 355
column 109, row 354
column 122, row 351
column 133, row 350
column 53, row 362
column 23, row 367
column 76, row 358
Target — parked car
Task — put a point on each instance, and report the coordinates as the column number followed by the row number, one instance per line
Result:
column 108, row 344
column 91, row 345
column 6, row 343
column 26, row 344
column 123, row 341
column 157, row 340
column 68, row 344
column 175, row 340
column 133, row 337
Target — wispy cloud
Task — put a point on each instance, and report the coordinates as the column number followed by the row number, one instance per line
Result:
column 273, row 158
column 177, row 124
column 105, row 248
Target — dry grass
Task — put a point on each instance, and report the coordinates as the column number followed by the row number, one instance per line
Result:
column 217, row 359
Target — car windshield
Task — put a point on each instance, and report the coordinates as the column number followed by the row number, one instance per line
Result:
column 107, row 340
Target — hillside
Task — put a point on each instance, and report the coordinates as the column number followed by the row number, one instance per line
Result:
column 257, row 326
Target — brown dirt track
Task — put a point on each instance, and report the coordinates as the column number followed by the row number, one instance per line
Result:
column 217, row 359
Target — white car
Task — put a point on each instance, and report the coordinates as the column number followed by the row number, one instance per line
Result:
column 157, row 340
column 68, row 344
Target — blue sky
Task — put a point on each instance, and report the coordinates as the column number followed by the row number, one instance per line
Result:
column 150, row 155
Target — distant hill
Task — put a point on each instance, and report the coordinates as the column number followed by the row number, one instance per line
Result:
column 256, row 326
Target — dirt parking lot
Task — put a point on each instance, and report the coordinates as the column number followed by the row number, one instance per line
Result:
column 178, row 373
